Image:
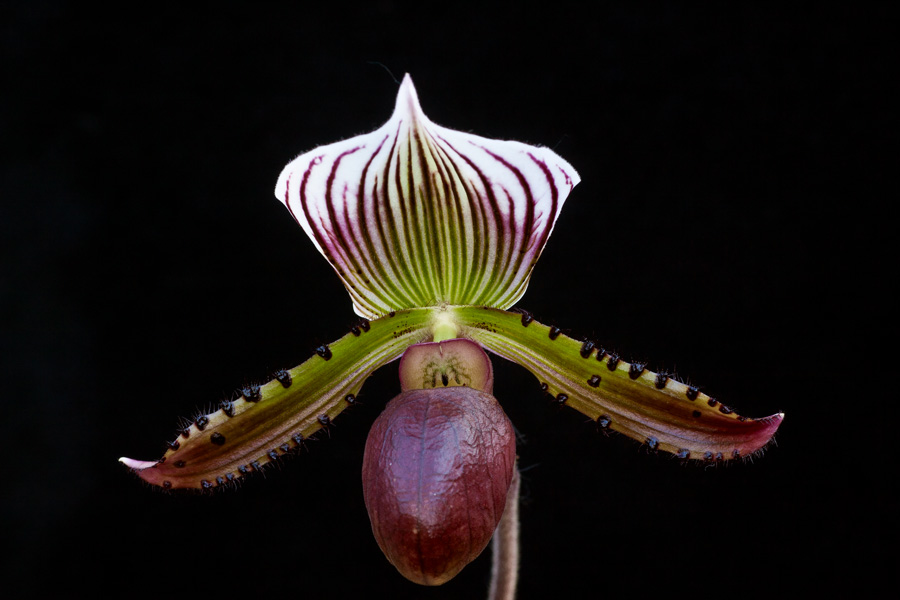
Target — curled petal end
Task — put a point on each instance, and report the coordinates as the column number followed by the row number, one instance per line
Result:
column 769, row 426
column 148, row 470
column 137, row 465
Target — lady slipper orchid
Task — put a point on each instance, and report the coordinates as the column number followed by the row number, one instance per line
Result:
column 434, row 233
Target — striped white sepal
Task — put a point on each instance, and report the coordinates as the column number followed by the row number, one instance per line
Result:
column 416, row 215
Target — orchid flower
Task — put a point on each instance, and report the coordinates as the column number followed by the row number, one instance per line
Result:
column 434, row 234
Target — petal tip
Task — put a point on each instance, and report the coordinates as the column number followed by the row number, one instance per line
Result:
column 768, row 427
column 774, row 420
column 137, row 465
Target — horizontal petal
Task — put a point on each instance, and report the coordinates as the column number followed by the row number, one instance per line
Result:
column 415, row 214
column 646, row 406
column 272, row 420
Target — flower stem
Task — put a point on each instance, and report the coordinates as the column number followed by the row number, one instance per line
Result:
column 505, row 547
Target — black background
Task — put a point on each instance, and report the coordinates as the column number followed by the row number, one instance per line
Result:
column 731, row 226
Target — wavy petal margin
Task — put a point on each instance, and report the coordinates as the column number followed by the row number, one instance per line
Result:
column 415, row 214
column 625, row 397
column 272, row 420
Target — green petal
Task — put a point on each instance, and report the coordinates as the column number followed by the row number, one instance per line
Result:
column 646, row 406
column 273, row 419
column 415, row 214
